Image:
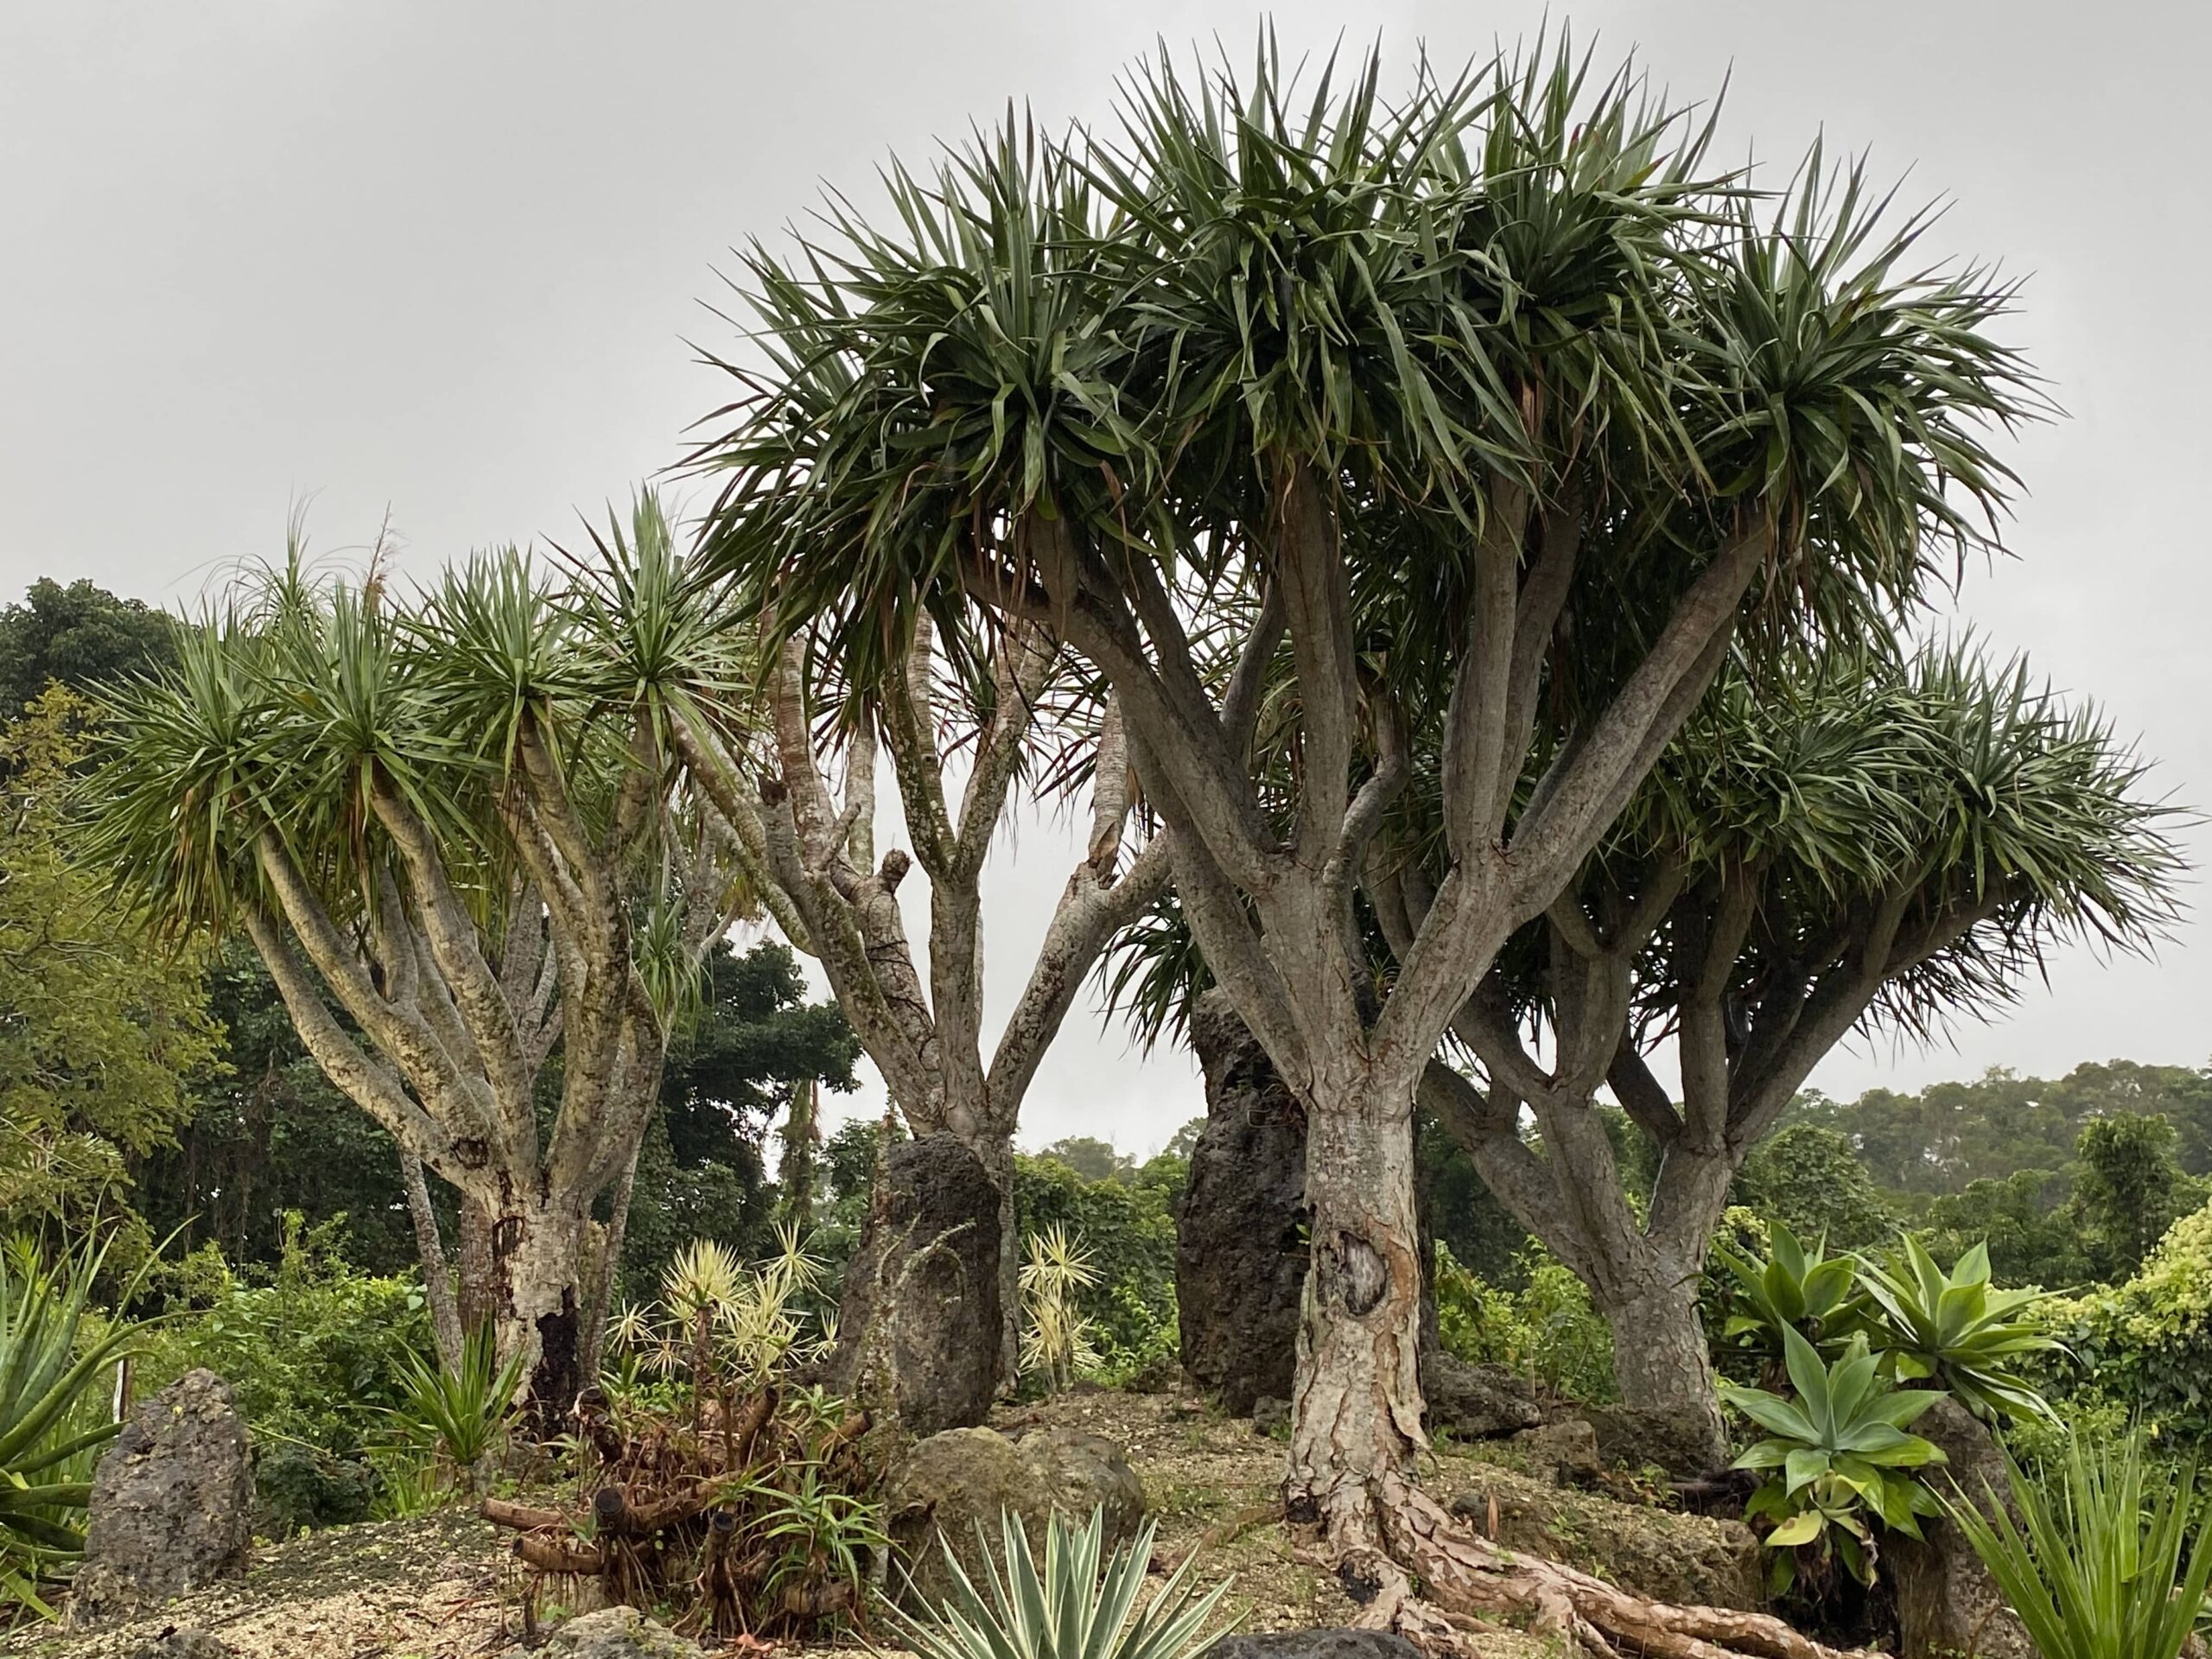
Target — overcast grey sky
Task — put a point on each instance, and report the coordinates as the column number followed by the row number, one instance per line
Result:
column 443, row 256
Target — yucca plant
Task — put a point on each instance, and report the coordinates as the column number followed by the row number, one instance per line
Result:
column 1067, row 1607
column 54, row 1415
column 1837, row 1457
column 1958, row 1330
column 1791, row 1288
column 461, row 1409
column 2100, row 1564
column 1055, row 1335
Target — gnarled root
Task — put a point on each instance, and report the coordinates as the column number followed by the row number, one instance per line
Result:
column 1382, row 1544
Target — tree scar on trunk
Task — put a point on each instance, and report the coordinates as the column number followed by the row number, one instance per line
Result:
column 1357, row 1273
column 559, row 1377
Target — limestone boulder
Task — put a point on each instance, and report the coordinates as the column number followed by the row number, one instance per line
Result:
column 1631, row 1436
column 172, row 1504
column 1475, row 1402
column 1564, row 1452
column 1240, row 1253
column 919, row 1312
column 951, row 1484
column 1658, row 1553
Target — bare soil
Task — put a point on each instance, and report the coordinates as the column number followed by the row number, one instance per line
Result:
column 443, row 1585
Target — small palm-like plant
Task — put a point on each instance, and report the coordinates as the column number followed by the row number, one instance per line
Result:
column 461, row 1409
column 2100, row 1565
column 1958, row 1330
column 54, row 1413
column 817, row 1535
column 1791, row 1288
column 1069, row 1607
column 1056, row 1337
column 1837, row 1456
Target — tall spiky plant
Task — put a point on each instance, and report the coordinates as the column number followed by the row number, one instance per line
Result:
column 2110, row 1557
column 448, row 821
column 1489, row 408
column 1847, row 844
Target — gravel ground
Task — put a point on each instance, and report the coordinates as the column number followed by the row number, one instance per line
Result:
column 442, row 1586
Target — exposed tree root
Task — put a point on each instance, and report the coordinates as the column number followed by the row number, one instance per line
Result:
column 1382, row 1547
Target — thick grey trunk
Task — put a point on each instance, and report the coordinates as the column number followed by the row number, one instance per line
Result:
column 480, row 1291
column 1356, row 1410
column 540, row 1296
column 608, row 1275
column 1664, row 1368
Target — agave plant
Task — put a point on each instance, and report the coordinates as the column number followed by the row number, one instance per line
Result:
column 1811, row 1292
column 54, row 1413
column 1069, row 1607
column 1958, row 1330
column 2098, row 1565
column 1836, row 1456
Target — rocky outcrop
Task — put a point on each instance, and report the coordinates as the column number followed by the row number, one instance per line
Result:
column 172, row 1505
column 1313, row 1644
column 1564, row 1452
column 616, row 1633
column 1475, row 1402
column 952, row 1483
column 1947, row 1602
column 922, row 1293
column 1682, row 1559
column 1631, row 1436
column 1240, row 1256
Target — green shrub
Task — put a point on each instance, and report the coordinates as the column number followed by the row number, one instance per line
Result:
column 1549, row 1329
column 304, row 1488
column 1789, row 1289
column 315, row 1357
column 1836, row 1455
column 1957, row 1331
column 1127, row 1230
column 2146, row 1345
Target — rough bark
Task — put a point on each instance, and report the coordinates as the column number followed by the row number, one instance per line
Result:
column 1356, row 1409
column 478, row 1293
column 1665, row 1373
column 437, row 1281
column 543, row 1289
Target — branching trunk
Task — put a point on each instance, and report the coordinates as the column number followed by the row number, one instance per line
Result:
column 918, row 1017
column 437, row 1282
column 1270, row 894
